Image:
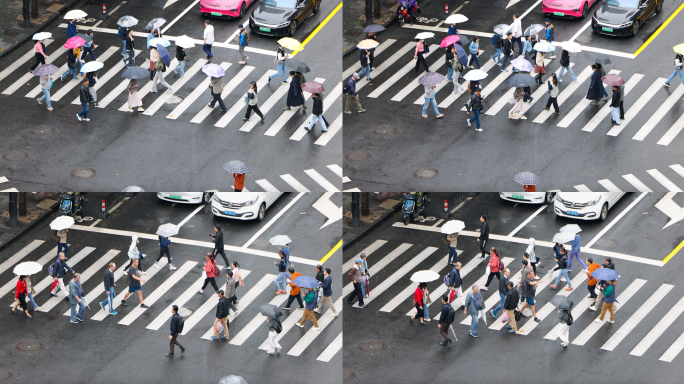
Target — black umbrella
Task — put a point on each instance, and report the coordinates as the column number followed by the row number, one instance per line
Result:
column 599, row 58
column 464, row 40
column 298, row 66
column 135, row 73
column 270, row 310
column 562, row 302
column 520, row 80
column 373, row 28
column 85, row 37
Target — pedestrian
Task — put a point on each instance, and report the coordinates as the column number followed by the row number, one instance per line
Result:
column 71, row 28
column 621, row 89
column 526, row 257
column 159, row 69
column 130, row 49
column 549, row 35
column 510, row 305
column 529, row 294
column 153, row 33
column 217, row 238
column 274, row 328
column 294, row 290
column 364, row 272
column 320, row 275
column 164, row 243
column 88, row 47
column 282, row 276
column 20, row 297
column 596, row 86
column 134, row 254
column 484, row 235
column 429, row 96
column 134, row 99
column 475, row 104
column 295, row 98
column 180, row 56
column 279, row 60
column 238, row 182
column 497, row 42
column 503, row 290
column 599, row 68
column 86, row 98
column 40, row 55
column 222, row 312
column 92, row 80
column 474, row 49
column 517, row 111
column 421, row 49
column 209, row 38
column 211, row 270
column 426, row 303
column 311, row 301
column 364, row 58
column 507, row 51
column 154, row 56
column 235, row 274
column 109, row 286
column 418, row 303
column 59, row 269
column 473, row 85
column 356, row 277
column 455, row 283
column 553, row 94
column 539, row 68
column 371, row 58
column 452, row 30
column 134, row 284
column 317, row 113
column 530, row 251
column 452, row 243
column 176, row 326
column 608, row 263
column 473, row 305
column 495, row 266
column 591, row 283
column 516, row 30
column 565, row 66
column 559, row 250
column 72, row 65
column 522, row 286
column 678, row 65
column 457, row 66
column 446, row 317
column 450, row 55
column 608, row 290
column 123, row 33
column 243, row 44
column 576, row 244
column 326, row 285
column 286, row 250
column 76, row 298
column 231, row 285
column 564, row 329
column 615, row 106
column 350, row 90
column 29, row 294
column 216, row 88
column 528, row 51
column 563, row 271
column 61, row 237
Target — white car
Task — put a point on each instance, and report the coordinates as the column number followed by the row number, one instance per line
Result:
column 528, row 197
column 585, row 205
column 243, row 205
column 186, row 197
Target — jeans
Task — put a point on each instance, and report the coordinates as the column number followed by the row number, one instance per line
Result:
column 123, row 52
column 677, row 72
column 605, row 93
column 110, row 299
column 473, row 324
column 281, row 68
column 280, row 278
column 476, row 118
column 430, row 100
column 46, row 96
column 130, row 58
column 30, row 297
column 497, row 55
column 450, row 74
column 72, row 71
column 520, row 44
column 426, row 311
column 452, row 253
column 88, row 51
column 474, row 59
column 504, row 63
column 74, row 314
column 207, row 49
column 216, row 98
column 363, row 286
column 181, row 68
column 569, row 69
column 575, row 254
column 315, row 118
column 501, row 304
column 365, row 70
column 563, row 272
column 84, row 112
column 616, row 115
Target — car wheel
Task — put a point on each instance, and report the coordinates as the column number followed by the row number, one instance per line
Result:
column 293, row 28
column 635, row 29
column 585, row 10
column 548, row 199
column 659, row 7
column 262, row 212
column 604, row 212
column 317, row 5
column 242, row 10
column 206, row 197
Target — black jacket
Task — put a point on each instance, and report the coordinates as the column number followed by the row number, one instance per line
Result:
column 449, row 57
column 512, row 298
column 129, row 44
column 85, row 95
column 108, row 279
column 218, row 240
column 180, row 54
column 615, row 101
column 484, row 230
column 497, row 41
column 320, row 276
column 507, row 47
column 317, row 106
column 563, row 263
column 503, row 285
column 565, row 59
column 455, row 278
column 71, row 59
column 282, row 265
column 222, row 308
column 609, row 266
column 444, row 316
column 363, row 57
column 174, row 323
column 476, row 104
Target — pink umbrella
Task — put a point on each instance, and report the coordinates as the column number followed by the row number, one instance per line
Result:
column 312, row 87
column 449, row 40
column 74, row 42
column 613, row 80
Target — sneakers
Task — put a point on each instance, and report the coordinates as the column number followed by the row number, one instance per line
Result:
column 484, row 289
column 171, row 267
column 428, row 319
column 598, row 320
column 73, row 322
column 564, row 345
column 143, row 305
column 611, row 321
column 512, row 331
column 271, row 352
column 468, row 121
column 86, row 119
column 493, row 313
column 156, row 265
column 592, row 308
column 537, row 320
column 667, row 85
column 317, row 328
column 182, row 350
column 143, row 272
column 479, row 129
column 333, row 315
column 552, row 287
column 79, row 118
column 214, row 338
column 347, row 111
column 103, row 306
column 316, row 310
column 140, row 109
column 568, row 289
column 169, row 355
column 278, row 347
column 360, row 110
column 114, row 313
column 473, row 335
column 200, row 291
column 443, row 343
column 299, row 325
column 123, row 303
column 80, row 320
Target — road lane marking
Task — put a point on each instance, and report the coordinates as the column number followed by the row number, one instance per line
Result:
column 320, row 180
column 180, row 301
column 114, row 93
column 72, row 261
column 659, row 113
column 663, row 180
column 325, row 138
column 637, row 106
column 175, row 87
column 657, row 32
column 258, row 320
column 331, row 350
column 387, row 63
column 356, row 67
column 196, row 93
column 289, row 179
column 273, row 220
column 28, row 76
column 659, row 329
column 311, row 334
column 227, row 89
column 21, row 254
column 147, row 88
column 609, row 186
column 268, row 187
column 577, row 310
column 368, row 250
column 186, row 10
column 636, row 183
column 616, row 219
column 672, row 132
column 601, row 115
column 320, row 26
column 579, row 107
column 378, row 266
column 582, row 188
column 524, row 223
column 331, row 252
column 22, row 60
column 273, row 98
column 400, row 74
column 565, row 94
column 240, row 103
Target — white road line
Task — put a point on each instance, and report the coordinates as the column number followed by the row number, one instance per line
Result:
column 524, row 223
column 330, row 100
column 662, row 110
column 400, row 74
column 21, row 61
column 320, row 180
column 674, row 350
column 311, row 334
column 678, row 168
column 672, row 132
column 180, row 301
column 72, row 261
column 442, row 29
column 169, row 25
column 336, row 169
column 285, row 117
column 404, row 295
column 335, row 127
column 501, row 102
column 601, row 115
column 378, row 266
column 387, row 63
column 73, row 83
column 102, row 80
column 577, row 311
column 579, row 107
column 663, row 180
column 273, row 220
column 609, row 186
column 508, row 95
column 356, row 67
column 637, row 106
column 177, row 85
column 195, row 94
column 120, row 88
column 143, row 91
column 289, row 179
column 258, row 320
column 615, row 220
column 593, row 327
column 190, row 216
column 498, row 324
column 240, row 104
column 21, row 254
column 268, row 187
column 268, row 104
column 28, row 76
column 636, row 317
column 227, row 89
column 580, row 31
column 91, row 297
column 85, row 275
column 331, row 350
column 413, row 84
column 636, row 183
column 565, row 94
column 289, row 323
column 582, row 188
column 368, row 250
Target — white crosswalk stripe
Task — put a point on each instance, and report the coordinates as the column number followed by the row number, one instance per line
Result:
column 379, row 265
column 311, row 334
column 21, row 61
column 368, row 251
column 411, row 288
column 320, row 180
column 154, row 107
column 240, row 104
column 227, row 89
column 102, row 80
column 280, row 122
column 632, row 112
column 197, row 92
column 73, row 260
column 57, row 96
column 659, row 113
column 332, row 349
column 380, row 48
column 245, row 300
column 508, row 95
column 399, row 74
column 258, row 320
column 609, row 186
column 3, row 179
column 147, row 88
column 659, row 329
column 119, row 89
column 14, row 259
column 565, row 94
column 387, row 63
column 661, row 180
column 59, row 52
column 671, row 133
column 329, row 100
column 641, row 187
column 414, row 84
column 289, row 323
column 672, row 187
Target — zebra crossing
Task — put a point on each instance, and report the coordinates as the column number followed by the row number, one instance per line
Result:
column 394, row 62
column 654, row 177
column 646, row 297
column 3, row 180
column 179, row 287
column 320, row 178
column 110, row 91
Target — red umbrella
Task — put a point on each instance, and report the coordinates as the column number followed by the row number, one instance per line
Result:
column 613, row 80
column 313, row 87
column 449, row 40
column 74, row 42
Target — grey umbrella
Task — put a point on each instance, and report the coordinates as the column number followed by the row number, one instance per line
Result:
column 599, row 58
column 45, row 69
column 232, row 380
column 562, row 302
column 532, row 29
column 464, row 40
column 270, row 310
column 520, row 80
column 526, row 178
column 135, row 73
column 155, row 23
column 373, row 28
column 298, row 66
column 236, row 166
column 85, row 37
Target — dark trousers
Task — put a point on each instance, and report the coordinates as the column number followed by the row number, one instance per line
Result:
column 175, row 342
column 444, row 331
column 452, row 255
column 216, row 97
column 223, row 254
column 420, row 60
column 592, row 291
column 235, row 299
column 207, row 49
column 505, row 61
column 40, row 59
column 519, row 40
column 140, row 266
column 231, row 303
column 88, row 51
column 538, row 78
column 292, row 298
column 491, row 277
column 254, row 108
column 357, row 292
column 528, row 94
column 483, row 244
column 552, row 100
column 622, row 111
column 212, row 281
column 162, row 251
column 63, row 246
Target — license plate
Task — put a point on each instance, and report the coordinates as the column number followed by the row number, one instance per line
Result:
column 607, row 29
column 559, row 14
column 265, row 29
column 216, row 14
column 174, row 197
column 572, row 213
column 517, row 197
column 229, row 213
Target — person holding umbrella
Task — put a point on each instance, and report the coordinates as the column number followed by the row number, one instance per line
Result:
column 40, row 55
column 134, row 254
column 238, row 169
column 279, row 60
column 71, row 28
column 364, row 55
column 421, row 49
column 180, row 56
column 317, row 113
column 418, row 303
column 252, row 102
column 564, row 306
column 162, row 61
column 310, row 300
column 72, row 64
column 272, row 314
column 295, row 98
column 539, row 67
column 134, row 99
column 282, row 276
column 20, row 297
column 92, row 80
column 517, row 109
column 608, row 290
column 164, row 242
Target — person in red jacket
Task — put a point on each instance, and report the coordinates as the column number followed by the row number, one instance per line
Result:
column 21, row 296
column 493, row 267
column 210, row 269
column 418, row 298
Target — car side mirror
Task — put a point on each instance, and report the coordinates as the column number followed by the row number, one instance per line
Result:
column 300, row 5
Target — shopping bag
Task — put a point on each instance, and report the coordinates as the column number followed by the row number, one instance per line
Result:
column 504, row 317
column 219, row 327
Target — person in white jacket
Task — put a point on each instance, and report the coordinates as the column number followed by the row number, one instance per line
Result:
column 678, row 65
column 133, row 254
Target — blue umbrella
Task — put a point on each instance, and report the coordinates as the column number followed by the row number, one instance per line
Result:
column 544, row 46
column 461, row 54
column 605, row 274
column 213, row 70
column 158, row 40
column 306, row 282
column 164, row 54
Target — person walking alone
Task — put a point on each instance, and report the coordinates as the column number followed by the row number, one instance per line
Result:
column 549, row 35
column 446, row 317
column 175, row 330
column 180, row 56
column 211, row 270
column 20, row 297
column 40, row 55
column 274, row 328
column 134, row 254
column 350, row 90
column 563, row 271
column 317, row 113
column 608, row 290
column 473, row 305
column 553, row 94
column 484, row 235
column 475, row 104
column 516, row 30
column 76, row 298
column 216, row 88
column 421, row 49
column 222, row 312
column 507, row 51
column 596, row 86
column 134, row 99
column 474, row 49
column 59, row 269
column 503, row 290
column 92, row 80
column 615, row 106
column 134, row 284
column 517, row 111
column 510, row 305
column 252, row 102
column 238, row 279
column 45, row 85
column 209, row 38
column 310, row 300
column 217, row 238
column 495, row 265
column 109, row 286
column 678, row 65
column 565, row 66
column 564, row 329
column 539, row 68
column 452, row 243
column 282, row 276
column 279, row 60
column 430, row 99
column 164, row 243
column 576, row 244
column 364, row 59
column 243, row 44
column 418, row 303
column 326, row 285
column 61, row 237
column 86, row 98
column 295, row 97
column 294, row 290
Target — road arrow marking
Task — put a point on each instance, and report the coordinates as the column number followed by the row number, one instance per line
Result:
column 511, row 2
column 327, row 208
column 671, row 209
column 171, row 2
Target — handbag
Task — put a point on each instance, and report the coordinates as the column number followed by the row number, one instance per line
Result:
column 518, row 315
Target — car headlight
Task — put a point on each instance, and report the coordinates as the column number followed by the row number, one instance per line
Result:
column 593, row 202
column 216, row 199
column 558, row 199
column 627, row 24
column 252, row 202
column 233, row 8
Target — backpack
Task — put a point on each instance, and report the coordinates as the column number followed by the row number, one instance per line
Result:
column 279, row 327
column 217, row 271
column 121, row 29
column 495, row 37
column 501, row 265
column 181, row 323
column 350, row 274
column 51, row 270
column 451, row 315
column 426, row 48
column 569, row 318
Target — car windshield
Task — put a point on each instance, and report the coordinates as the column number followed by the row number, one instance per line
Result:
column 281, row 3
column 623, row 3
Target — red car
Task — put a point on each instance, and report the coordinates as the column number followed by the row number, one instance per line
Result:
column 224, row 8
column 567, row 8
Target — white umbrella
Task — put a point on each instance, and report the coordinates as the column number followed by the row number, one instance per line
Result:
column 185, row 42
column 167, row 230
column 455, row 19
column 85, row 303
column 75, row 14
column 42, row 36
column 563, row 237
column 452, row 226
column 571, row 46
column 425, row 35
column 280, row 240
column 475, row 74
column 572, row 228
column 424, row 276
column 27, row 268
column 92, row 66
column 62, row 222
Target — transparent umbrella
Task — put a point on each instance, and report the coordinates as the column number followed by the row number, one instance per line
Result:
column 167, row 230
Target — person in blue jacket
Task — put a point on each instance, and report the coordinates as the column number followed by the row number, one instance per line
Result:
column 71, row 29
column 164, row 249
column 175, row 321
column 326, row 284
column 60, row 267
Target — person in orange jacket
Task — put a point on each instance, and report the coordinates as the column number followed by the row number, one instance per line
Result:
column 294, row 291
column 239, row 184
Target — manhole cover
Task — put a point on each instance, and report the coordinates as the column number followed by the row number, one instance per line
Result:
column 42, row 130
column 428, row 173
column 606, row 243
column 173, row 99
column 372, row 346
column 346, row 375
column 385, row 130
column 85, row 173
column 585, row 39
column 357, row 156
column 11, row 32
column 185, row 312
column 15, row 156
column 5, row 375
column 30, row 346
column 262, row 243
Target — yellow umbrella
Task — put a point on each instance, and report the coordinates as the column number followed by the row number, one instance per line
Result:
column 291, row 43
column 367, row 44
column 679, row 49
